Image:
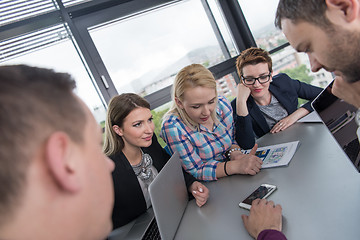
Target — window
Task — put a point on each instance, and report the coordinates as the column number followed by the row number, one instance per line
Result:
column 297, row 66
column 54, row 49
column 144, row 52
column 223, row 27
column 267, row 36
column 261, row 22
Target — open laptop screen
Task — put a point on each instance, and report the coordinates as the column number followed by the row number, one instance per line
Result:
column 339, row 117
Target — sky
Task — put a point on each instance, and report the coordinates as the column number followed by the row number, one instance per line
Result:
column 150, row 42
column 258, row 17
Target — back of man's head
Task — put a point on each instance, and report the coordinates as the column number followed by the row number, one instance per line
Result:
column 34, row 103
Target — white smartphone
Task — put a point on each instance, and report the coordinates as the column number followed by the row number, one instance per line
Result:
column 261, row 192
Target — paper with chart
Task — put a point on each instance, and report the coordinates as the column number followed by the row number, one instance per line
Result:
column 276, row 155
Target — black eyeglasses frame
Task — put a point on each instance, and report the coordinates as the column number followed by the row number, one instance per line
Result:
column 254, row 79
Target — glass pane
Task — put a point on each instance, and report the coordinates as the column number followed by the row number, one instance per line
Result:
column 62, row 57
column 261, row 22
column 226, row 86
column 297, row 66
column 143, row 53
column 158, row 114
column 267, row 36
column 223, row 27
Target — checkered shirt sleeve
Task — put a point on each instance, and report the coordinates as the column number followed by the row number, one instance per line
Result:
column 201, row 151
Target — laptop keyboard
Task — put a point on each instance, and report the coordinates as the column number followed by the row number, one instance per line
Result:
column 152, row 232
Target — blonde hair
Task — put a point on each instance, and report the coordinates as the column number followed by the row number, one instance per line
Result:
column 191, row 76
column 119, row 108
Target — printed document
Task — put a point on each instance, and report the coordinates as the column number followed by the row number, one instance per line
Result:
column 276, row 155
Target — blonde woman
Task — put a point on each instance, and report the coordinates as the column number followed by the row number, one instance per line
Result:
column 131, row 143
column 199, row 126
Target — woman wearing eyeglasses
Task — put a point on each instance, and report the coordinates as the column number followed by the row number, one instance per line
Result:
column 266, row 103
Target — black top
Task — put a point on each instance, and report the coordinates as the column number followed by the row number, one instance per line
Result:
column 287, row 91
column 129, row 199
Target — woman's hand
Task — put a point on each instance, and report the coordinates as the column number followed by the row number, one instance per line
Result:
column 289, row 120
column 244, row 163
column 243, row 94
column 200, row 193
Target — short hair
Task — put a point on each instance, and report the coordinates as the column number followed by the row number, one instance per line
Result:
column 311, row 11
column 252, row 56
column 191, row 76
column 119, row 108
column 34, row 103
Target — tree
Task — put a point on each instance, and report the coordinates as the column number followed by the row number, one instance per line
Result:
column 300, row 73
column 157, row 119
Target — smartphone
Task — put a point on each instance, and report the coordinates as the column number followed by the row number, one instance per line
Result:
column 261, row 192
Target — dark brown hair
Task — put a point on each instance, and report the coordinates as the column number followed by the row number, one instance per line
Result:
column 312, row 11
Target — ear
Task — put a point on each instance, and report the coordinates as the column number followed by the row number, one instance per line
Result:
column 179, row 103
column 62, row 162
column 348, row 9
column 118, row 130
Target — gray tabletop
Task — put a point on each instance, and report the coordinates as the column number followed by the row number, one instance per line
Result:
column 319, row 192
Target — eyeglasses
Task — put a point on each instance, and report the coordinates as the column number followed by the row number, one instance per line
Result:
column 251, row 81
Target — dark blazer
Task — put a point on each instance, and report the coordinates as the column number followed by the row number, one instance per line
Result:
column 287, row 91
column 129, row 199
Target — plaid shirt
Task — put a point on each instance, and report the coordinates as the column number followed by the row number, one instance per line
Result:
column 201, row 151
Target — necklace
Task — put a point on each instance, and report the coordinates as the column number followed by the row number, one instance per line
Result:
column 143, row 169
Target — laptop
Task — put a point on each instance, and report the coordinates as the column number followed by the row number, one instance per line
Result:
column 339, row 118
column 169, row 199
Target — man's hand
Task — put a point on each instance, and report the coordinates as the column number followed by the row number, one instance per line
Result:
column 263, row 215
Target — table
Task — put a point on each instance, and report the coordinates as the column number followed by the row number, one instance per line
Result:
column 319, row 192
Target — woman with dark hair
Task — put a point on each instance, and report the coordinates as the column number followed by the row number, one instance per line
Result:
column 131, row 143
